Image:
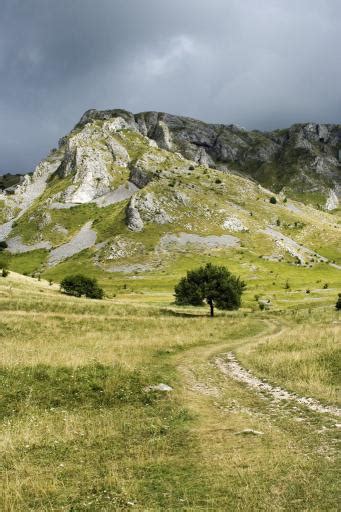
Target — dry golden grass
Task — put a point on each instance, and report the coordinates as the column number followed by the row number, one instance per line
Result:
column 80, row 433
column 304, row 358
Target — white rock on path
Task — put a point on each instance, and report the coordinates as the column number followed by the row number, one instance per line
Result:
column 228, row 365
column 250, row 431
column 159, row 387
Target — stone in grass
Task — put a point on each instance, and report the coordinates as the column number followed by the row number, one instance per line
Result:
column 249, row 431
column 159, row 387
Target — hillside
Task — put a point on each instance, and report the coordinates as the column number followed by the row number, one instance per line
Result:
column 132, row 401
column 152, row 194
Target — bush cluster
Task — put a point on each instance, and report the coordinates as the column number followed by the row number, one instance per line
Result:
column 338, row 303
column 3, row 245
column 78, row 285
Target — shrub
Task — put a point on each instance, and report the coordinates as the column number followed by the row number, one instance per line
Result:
column 273, row 200
column 338, row 303
column 4, row 272
column 3, row 245
column 79, row 285
column 218, row 181
column 213, row 284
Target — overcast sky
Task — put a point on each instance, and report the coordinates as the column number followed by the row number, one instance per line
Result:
column 258, row 63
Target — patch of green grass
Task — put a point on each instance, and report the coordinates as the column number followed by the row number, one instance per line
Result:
column 25, row 263
column 90, row 387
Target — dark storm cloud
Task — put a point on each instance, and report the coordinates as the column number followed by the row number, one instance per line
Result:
column 258, row 63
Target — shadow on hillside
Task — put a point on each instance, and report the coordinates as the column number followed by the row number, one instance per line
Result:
column 183, row 314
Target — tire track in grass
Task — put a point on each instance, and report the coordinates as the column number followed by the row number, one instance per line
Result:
column 228, row 365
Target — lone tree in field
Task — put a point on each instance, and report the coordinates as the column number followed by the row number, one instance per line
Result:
column 213, row 284
column 338, row 303
column 79, row 285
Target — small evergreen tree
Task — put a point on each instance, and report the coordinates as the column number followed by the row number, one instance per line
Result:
column 79, row 285
column 213, row 284
column 338, row 303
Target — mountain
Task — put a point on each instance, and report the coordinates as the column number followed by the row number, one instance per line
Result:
column 152, row 194
column 303, row 161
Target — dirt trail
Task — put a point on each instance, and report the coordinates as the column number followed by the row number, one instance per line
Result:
column 228, row 365
column 198, row 355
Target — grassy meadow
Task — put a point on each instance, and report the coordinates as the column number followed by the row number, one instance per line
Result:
column 81, row 430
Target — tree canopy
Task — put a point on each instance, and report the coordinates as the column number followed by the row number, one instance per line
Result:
column 338, row 303
column 213, row 284
column 79, row 285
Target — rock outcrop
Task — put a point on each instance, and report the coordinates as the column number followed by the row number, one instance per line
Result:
column 134, row 221
column 303, row 159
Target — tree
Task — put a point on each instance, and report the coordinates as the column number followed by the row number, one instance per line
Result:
column 213, row 284
column 338, row 303
column 4, row 272
column 79, row 285
column 4, row 268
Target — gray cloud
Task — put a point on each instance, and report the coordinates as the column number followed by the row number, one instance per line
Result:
column 258, row 63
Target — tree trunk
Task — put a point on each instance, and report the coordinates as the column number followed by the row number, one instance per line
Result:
column 210, row 303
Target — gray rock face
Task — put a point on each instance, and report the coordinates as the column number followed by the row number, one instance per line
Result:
column 122, row 247
column 119, row 152
column 142, row 172
column 91, row 179
column 16, row 246
column 332, row 201
column 134, row 221
column 84, row 239
column 211, row 241
column 303, row 158
column 139, row 176
column 115, row 196
column 150, row 209
column 5, row 229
